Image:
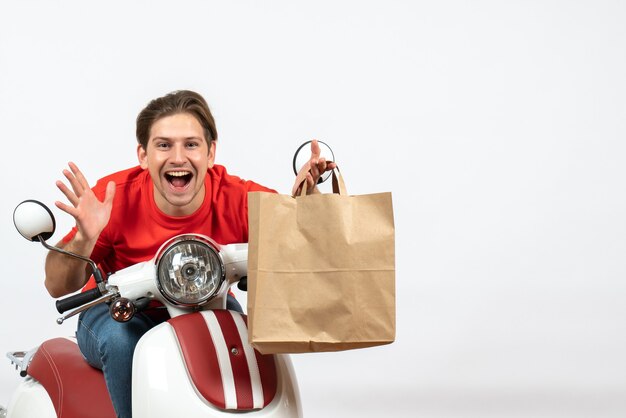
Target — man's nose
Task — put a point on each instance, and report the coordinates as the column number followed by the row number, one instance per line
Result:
column 179, row 154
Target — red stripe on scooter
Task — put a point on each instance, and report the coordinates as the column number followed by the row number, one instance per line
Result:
column 200, row 357
column 267, row 370
column 239, row 364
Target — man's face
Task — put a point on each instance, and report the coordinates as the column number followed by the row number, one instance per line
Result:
column 177, row 157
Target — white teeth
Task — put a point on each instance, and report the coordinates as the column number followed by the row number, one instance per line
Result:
column 178, row 173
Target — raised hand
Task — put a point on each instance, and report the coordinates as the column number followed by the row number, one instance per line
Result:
column 312, row 170
column 91, row 214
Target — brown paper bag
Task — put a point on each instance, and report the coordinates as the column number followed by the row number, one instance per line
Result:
column 321, row 271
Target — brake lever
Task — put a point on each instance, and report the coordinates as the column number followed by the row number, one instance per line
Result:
column 104, row 298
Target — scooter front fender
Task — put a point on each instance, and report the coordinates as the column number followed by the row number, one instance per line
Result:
column 162, row 385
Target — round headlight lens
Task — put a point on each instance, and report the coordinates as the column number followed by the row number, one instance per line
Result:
column 189, row 272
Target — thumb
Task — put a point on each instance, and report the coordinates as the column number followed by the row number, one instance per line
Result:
column 110, row 193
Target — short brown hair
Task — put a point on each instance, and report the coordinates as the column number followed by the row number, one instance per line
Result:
column 180, row 101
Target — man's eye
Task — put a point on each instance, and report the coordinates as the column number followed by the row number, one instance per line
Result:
column 192, row 145
column 162, row 145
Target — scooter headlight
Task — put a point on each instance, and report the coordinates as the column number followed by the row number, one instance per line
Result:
column 189, row 270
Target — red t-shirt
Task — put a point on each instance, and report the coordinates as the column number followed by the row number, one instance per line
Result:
column 137, row 227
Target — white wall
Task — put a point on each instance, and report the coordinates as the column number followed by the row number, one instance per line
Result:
column 498, row 126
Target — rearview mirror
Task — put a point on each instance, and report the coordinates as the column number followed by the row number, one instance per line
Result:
column 303, row 153
column 33, row 219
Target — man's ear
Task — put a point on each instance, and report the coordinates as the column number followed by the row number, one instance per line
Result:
column 212, row 154
column 142, row 156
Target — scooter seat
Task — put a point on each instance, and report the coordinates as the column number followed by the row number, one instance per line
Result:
column 73, row 385
column 223, row 366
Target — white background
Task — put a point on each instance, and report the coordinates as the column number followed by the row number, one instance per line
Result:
column 498, row 126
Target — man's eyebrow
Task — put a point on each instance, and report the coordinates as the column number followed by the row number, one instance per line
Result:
column 167, row 138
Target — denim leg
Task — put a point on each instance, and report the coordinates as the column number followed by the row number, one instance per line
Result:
column 109, row 345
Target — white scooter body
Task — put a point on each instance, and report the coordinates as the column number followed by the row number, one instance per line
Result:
column 162, row 386
column 162, row 383
column 167, row 391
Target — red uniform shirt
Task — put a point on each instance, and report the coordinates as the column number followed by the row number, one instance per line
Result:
column 137, row 227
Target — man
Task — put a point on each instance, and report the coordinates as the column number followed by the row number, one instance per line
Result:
column 176, row 188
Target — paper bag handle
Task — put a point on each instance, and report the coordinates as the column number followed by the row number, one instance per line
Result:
column 339, row 186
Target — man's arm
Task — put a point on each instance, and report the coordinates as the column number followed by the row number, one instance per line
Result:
column 65, row 274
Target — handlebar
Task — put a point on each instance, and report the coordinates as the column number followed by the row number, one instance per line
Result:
column 74, row 301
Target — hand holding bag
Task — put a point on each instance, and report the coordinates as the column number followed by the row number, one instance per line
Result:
column 321, row 271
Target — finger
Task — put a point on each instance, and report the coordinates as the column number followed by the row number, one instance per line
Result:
column 79, row 175
column 310, row 182
column 70, row 210
column 315, row 149
column 315, row 171
column 78, row 189
column 321, row 165
column 70, row 196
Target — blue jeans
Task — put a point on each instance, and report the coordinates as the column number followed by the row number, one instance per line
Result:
column 109, row 345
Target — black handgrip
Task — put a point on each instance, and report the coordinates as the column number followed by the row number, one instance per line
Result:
column 243, row 284
column 75, row 301
column 141, row 304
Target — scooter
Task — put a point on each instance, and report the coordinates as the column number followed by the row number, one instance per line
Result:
column 197, row 364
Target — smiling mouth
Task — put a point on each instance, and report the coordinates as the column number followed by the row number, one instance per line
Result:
column 178, row 178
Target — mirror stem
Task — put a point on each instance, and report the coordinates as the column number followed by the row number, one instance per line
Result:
column 94, row 268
